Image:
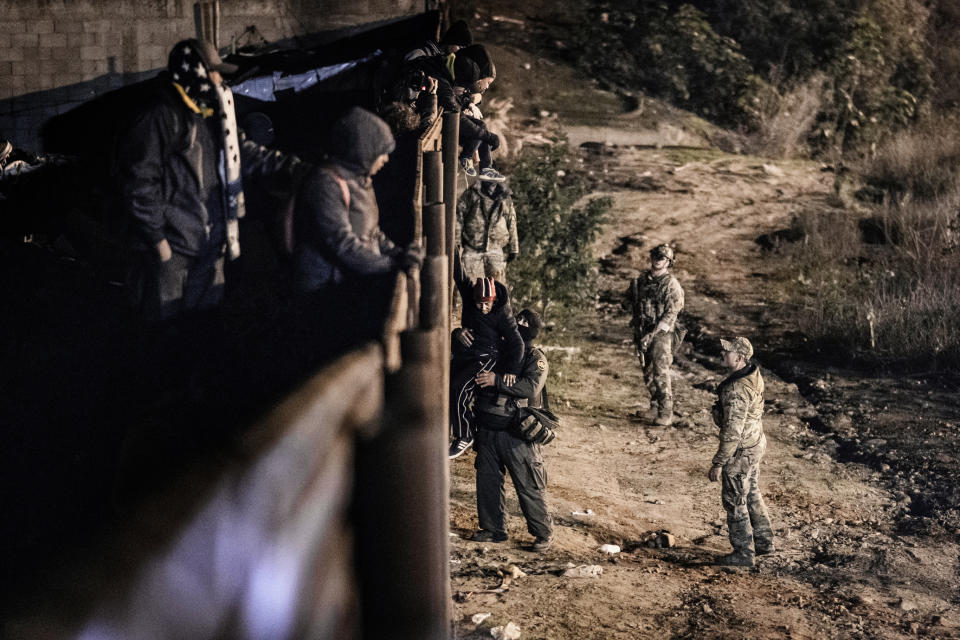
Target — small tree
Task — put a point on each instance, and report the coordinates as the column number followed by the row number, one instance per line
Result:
column 555, row 264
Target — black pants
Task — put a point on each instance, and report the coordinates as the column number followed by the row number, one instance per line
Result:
column 497, row 453
column 462, row 393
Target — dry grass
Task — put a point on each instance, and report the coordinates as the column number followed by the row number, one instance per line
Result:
column 922, row 163
column 785, row 121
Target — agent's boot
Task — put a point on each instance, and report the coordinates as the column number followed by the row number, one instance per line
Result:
column 664, row 414
column 736, row 559
column 741, row 538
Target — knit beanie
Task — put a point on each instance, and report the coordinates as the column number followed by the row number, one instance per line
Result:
column 458, row 34
column 484, row 290
column 480, row 57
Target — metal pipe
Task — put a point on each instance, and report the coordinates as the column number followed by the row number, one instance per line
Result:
column 450, row 140
column 402, row 545
column 432, row 177
column 433, row 293
column 434, row 224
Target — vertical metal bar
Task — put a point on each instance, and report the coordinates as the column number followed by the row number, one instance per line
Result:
column 432, row 177
column 433, row 295
column 434, row 228
column 449, row 139
column 403, row 542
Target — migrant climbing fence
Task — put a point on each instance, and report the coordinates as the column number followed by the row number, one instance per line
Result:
column 330, row 519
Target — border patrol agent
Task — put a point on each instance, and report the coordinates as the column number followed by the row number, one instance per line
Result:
column 656, row 300
column 500, row 448
column 738, row 412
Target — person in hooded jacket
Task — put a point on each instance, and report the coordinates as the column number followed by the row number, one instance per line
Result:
column 487, row 220
column 738, row 412
column 457, row 36
column 487, row 339
column 475, row 138
column 501, row 449
column 342, row 261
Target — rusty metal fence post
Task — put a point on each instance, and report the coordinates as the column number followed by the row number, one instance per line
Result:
column 450, row 135
column 402, row 549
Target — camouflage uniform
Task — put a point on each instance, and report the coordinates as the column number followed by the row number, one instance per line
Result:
column 656, row 302
column 738, row 413
column 487, row 221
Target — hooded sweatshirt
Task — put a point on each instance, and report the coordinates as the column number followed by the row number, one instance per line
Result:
column 741, row 402
column 337, row 234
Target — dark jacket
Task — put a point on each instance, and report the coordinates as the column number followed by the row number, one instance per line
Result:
column 450, row 72
column 495, row 333
column 160, row 168
column 334, row 240
column 502, row 401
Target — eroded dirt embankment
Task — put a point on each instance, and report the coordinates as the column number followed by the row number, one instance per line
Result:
column 859, row 554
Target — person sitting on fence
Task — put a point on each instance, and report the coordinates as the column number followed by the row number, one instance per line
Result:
column 487, row 338
column 340, row 254
column 475, row 138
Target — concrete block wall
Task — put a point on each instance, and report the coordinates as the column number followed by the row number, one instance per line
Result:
column 55, row 54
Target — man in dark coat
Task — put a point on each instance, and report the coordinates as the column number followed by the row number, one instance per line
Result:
column 175, row 165
column 500, row 447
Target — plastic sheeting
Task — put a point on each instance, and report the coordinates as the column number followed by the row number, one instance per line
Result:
column 265, row 88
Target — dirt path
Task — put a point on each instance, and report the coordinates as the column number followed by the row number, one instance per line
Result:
column 846, row 567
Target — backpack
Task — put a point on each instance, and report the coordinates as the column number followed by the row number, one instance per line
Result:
column 538, row 426
column 286, row 232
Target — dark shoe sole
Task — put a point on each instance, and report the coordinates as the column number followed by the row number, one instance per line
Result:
column 487, row 537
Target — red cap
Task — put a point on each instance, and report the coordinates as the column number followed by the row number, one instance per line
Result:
column 484, row 290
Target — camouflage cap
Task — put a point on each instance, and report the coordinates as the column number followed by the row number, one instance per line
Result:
column 738, row 345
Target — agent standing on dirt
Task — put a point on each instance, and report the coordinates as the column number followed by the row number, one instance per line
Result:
column 656, row 300
column 488, row 224
column 500, row 448
column 738, row 412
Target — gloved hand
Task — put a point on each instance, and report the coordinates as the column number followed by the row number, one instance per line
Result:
column 411, row 258
column 512, row 256
column 493, row 141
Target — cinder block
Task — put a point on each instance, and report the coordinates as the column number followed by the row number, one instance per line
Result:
column 28, row 67
column 94, row 26
column 93, row 53
column 63, row 79
column 11, row 54
column 50, row 66
column 24, row 40
column 13, row 26
column 93, row 68
column 74, row 65
column 40, row 26
column 46, row 81
column 64, row 53
column 53, row 40
column 44, row 53
column 4, row 40
column 76, row 40
column 67, row 25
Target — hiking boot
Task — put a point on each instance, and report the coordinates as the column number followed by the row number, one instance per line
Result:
column 764, row 549
column 735, row 559
column 664, row 420
column 467, row 165
column 541, row 544
column 487, row 536
column 492, row 175
column 459, row 446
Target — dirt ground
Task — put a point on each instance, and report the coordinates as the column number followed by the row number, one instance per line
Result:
column 860, row 473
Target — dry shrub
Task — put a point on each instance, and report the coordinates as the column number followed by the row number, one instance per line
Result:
column 921, row 163
column 785, row 121
column 895, row 301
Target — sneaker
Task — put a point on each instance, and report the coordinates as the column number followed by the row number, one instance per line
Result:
column 492, row 175
column 458, row 446
column 487, row 536
column 467, row 165
column 541, row 544
column 735, row 559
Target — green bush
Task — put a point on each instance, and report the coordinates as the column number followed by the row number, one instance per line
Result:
column 555, row 265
